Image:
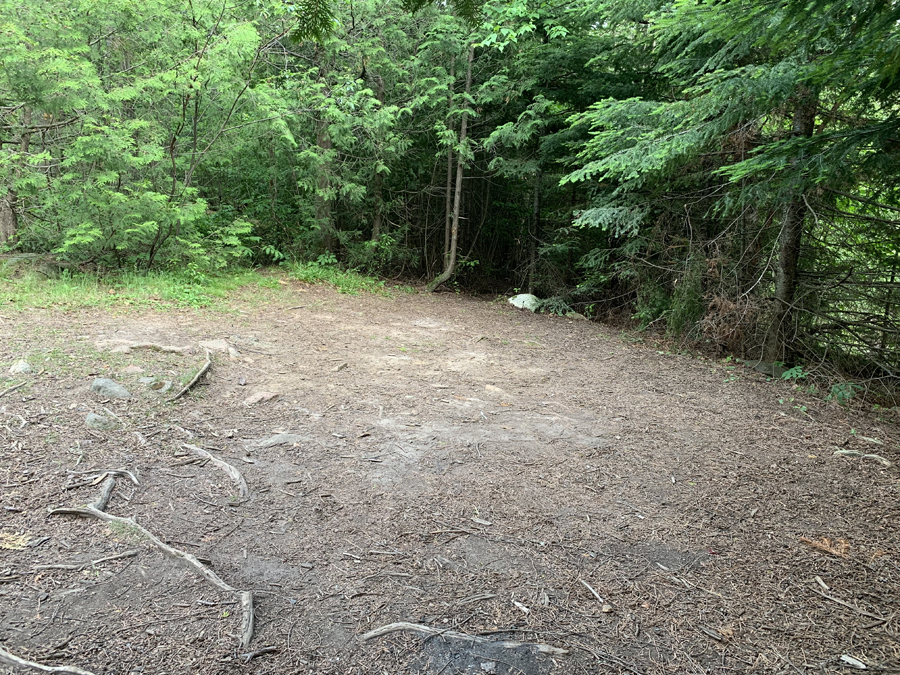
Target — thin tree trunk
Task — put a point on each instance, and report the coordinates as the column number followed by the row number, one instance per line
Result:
column 377, row 179
column 323, row 181
column 534, row 232
column 789, row 243
column 9, row 219
column 448, row 204
column 457, row 194
column 323, row 184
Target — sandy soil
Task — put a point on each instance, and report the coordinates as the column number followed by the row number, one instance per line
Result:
column 453, row 463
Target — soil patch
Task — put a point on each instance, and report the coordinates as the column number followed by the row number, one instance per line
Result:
column 443, row 461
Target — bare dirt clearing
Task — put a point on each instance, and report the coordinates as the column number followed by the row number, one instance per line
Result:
column 441, row 461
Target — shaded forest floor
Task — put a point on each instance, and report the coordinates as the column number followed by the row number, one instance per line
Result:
column 453, row 463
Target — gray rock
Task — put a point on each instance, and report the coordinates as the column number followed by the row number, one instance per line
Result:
column 576, row 315
column 525, row 301
column 146, row 380
column 109, row 388
column 20, row 368
column 101, row 422
column 161, row 386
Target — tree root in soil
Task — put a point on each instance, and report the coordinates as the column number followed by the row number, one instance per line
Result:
column 95, row 511
column 454, row 635
column 15, row 662
column 195, row 379
column 233, row 473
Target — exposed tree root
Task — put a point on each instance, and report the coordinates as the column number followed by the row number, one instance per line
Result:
column 195, row 379
column 94, row 511
column 454, row 635
column 235, row 475
column 248, row 619
column 15, row 662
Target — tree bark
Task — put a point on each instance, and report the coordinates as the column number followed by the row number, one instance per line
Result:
column 377, row 178
column 534, row 232
column 448, row 203
column 789, row 243
column 450, row 266
column 323, row 180
column 9, row 219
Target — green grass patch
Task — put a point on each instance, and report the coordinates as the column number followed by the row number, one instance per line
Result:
column 72, row 291
column 326, row 270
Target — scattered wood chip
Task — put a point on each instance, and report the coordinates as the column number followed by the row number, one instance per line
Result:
column 522, row 607
column 838, row 548
column 482, row 522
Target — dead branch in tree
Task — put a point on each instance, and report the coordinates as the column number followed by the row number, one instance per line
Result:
column 235, row 475
column 195, row 379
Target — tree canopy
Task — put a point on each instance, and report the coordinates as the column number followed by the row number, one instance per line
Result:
column 721, row 170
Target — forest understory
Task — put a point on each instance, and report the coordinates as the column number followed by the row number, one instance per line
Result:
column 523, row 493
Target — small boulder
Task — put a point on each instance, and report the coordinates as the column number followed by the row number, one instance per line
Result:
column 101, row 422
column 525, row 301
column 109, row 388
column 20, row 368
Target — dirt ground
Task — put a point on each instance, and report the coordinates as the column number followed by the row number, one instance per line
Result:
column 453, row 463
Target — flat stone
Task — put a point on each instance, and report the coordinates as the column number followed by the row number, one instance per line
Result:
column 525, row 301
column 20, row 368
column 101, row 422
column 109, row 388
column 146, row 380
column 132, row 369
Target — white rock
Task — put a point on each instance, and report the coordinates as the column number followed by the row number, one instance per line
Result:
column 20, row 368
column 525, row 301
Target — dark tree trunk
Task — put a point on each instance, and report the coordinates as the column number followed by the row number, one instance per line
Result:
column 457, row 194
column 789, row 243
column 377, row 179
column 9, row 219
column 534, row 231
column 448, row 202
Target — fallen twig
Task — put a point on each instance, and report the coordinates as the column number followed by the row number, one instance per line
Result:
column 595, row 593
column 882, row 619
column 127, row 554
column 16, row 662
column 235, row 475
column 195, row 379
column 11, row 389
column 454, row 635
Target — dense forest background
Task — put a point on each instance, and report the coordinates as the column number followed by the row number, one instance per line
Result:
column 723, row 171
